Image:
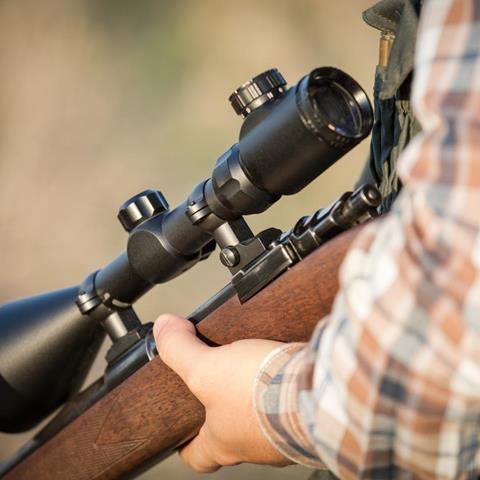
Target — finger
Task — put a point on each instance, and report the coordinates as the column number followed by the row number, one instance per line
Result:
column 197, row 456
column 177, row 344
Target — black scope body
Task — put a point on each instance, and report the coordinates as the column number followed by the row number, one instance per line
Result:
column 288, row 138
column 288, row 142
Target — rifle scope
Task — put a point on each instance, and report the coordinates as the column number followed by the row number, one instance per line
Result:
column 288, row 138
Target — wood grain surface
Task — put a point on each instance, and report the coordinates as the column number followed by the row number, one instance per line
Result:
column 152, row 412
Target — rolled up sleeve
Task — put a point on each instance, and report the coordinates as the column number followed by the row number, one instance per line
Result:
column 389, row 384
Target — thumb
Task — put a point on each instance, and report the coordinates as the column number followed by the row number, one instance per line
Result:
column 177, row 344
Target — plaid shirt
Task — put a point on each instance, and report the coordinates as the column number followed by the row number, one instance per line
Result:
column 389, row 385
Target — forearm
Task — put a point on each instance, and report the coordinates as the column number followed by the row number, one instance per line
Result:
column 390, row 383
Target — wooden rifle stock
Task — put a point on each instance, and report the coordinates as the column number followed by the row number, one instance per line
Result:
column 152, row 412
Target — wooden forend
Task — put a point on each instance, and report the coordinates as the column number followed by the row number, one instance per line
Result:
column 153, row 411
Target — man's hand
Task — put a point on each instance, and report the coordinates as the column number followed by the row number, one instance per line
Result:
column 222, row 379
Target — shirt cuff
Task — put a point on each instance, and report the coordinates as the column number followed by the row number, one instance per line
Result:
column 276, row 404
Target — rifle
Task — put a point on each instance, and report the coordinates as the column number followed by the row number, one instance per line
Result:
column 140, row 411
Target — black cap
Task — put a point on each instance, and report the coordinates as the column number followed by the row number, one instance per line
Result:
column 141, row 207
column 267, row 86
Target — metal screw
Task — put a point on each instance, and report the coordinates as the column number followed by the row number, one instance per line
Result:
column 229, row 257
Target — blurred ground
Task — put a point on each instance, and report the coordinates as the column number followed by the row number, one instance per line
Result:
column 100, row 100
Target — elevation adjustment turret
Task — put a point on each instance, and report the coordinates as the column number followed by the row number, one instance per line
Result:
column 141, row 207
column 267, row 86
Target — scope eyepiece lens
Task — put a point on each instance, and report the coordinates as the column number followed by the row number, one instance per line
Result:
column 334, row 107
column 337, row 108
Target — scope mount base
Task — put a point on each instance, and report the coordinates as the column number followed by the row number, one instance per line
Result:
column 308, row 234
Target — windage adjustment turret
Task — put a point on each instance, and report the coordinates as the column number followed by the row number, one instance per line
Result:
column 141, row 207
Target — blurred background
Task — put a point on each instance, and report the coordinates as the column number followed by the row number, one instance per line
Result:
column 102, row 99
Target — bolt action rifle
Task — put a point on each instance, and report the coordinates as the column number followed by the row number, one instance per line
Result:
column 282, row 284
